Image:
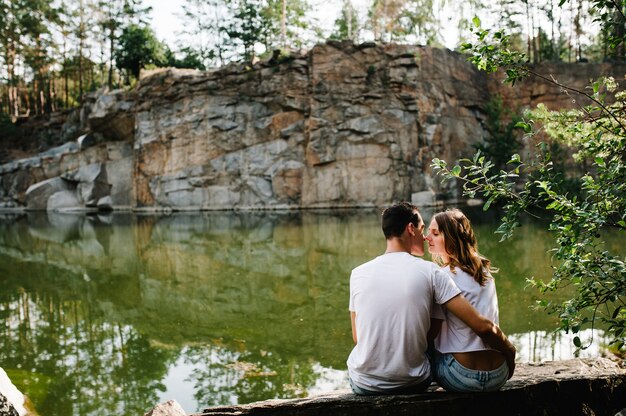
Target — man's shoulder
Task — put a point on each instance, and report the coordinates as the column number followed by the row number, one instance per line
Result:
column 367, row 265
column 425, row 265
column 407, row 262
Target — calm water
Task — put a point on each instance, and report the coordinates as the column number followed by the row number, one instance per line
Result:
column 112, row 314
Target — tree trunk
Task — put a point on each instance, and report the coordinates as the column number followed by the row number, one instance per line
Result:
column 283, row 24
column 12, row 99
column 111, row 50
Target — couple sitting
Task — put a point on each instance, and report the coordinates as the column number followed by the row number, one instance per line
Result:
column 400, row 305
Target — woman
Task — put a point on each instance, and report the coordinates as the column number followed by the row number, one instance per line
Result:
column 463, row 362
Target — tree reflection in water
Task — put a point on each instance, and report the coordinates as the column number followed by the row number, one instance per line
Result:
column 70, row 362
column 97, row 313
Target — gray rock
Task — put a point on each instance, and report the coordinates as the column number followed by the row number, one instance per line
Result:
column 37, row 195
column 112, row 116
column 65, row 200
column 169, row 408
column 120, row 179
column 105, row 204
column 424, row 198
column 85, row 141
column 69, row 147
column 6, row 407
column 363, row 121
column 92, row 183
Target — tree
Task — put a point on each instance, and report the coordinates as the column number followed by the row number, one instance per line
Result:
column 138, row 48
column 247, row 28
column 190, row 59
column 81, row 33
column 347, row 25
column 382, row 15
column 115, row 15
column 285, row 21
column 612, row 17
column 205, row 29
column 111, row 23
column 393, row 20
column 503, row 141
column 10, row 47
column 597, row 132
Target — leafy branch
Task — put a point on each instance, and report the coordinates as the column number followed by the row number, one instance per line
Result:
column 578, row 218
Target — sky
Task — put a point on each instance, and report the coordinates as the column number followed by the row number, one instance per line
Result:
column 166, row 17
column 166, row 14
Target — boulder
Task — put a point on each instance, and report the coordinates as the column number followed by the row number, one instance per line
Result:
column 105, row 204
column 6, row 407
column 113, row 116
column 11, row 399
column 66, row 200
column 37, row 195
column 91, row 183
column 169, row 408
column 86, row 140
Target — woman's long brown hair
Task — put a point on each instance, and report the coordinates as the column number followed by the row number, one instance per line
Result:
column 461, row 246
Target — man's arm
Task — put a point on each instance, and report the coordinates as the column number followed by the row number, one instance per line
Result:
column 484, row 328
column 353, row 322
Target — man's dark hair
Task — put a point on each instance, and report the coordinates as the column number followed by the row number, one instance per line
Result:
column 397, row 217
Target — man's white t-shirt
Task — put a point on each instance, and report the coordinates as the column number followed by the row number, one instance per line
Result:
column 455, row 335
column 393, row 297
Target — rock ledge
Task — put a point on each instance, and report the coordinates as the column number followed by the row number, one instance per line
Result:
column 572, row 387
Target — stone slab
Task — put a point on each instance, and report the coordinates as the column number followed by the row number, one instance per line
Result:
column 571, row 387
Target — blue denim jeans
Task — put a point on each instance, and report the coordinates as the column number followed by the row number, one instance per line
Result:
column 453, row 377
column 412, row 389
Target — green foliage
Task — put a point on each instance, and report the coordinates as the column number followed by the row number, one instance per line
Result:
column 6, row 125
column 492, row 52
column 610, row 15
column 347, row 24
column 247, row 27
column 397, row 20
column 503, row 140
column 191, row 59
column 138, row 48
column 597, row 135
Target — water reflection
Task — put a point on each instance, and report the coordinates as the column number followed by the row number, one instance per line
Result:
column 536, row 346
column 112, row 314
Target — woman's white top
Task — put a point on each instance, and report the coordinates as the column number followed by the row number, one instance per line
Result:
column 455, row 336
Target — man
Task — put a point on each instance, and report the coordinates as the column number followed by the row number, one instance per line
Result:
column 392, row 298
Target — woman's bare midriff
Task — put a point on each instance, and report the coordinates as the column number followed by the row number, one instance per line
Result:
column 480, row 360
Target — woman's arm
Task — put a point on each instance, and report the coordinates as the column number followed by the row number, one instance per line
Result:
column 353, row 323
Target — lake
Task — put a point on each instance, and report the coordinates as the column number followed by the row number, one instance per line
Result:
column 112, row 314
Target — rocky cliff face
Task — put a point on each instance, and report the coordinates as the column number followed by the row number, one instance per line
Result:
column 343, row 125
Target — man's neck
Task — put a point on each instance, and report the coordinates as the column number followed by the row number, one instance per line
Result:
column 397, row 245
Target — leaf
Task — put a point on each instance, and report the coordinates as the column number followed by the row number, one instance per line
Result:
column 515, row 159
column 456, row 171
column 523, row 125
column 600, row 162
column 577, row 342
column 476, row 21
